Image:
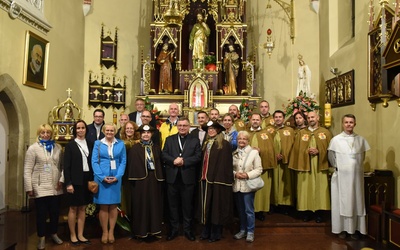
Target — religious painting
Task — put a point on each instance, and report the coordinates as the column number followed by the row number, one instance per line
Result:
column 35, row 61
column 339, row 91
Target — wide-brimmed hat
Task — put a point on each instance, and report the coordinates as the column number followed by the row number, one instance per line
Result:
column 146, row 127
column 214, row 124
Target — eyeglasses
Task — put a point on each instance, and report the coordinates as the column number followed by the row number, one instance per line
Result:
column 98, row 116
column 146, row 116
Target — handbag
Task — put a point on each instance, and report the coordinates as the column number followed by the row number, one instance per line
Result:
column 93, row 187
column 255, row 183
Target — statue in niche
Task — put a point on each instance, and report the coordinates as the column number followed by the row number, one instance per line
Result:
column 198, row 95
column 304, row 77
column 165, row 59
column 198, row 40
column 231, row 68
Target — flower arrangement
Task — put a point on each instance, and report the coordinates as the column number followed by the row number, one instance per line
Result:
column 245, row 111
column 150, row 107
column 302, row 103
column 211, row 58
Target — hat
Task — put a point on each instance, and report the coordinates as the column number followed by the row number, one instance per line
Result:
column 214, row 124
column 146, row 127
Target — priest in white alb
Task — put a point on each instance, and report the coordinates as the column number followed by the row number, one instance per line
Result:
column 346, row 155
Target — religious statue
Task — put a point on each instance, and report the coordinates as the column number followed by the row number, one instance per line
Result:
column 304, row 77
column 231, row 68
column 164, row 59
column 198, row 41
column 198, row 95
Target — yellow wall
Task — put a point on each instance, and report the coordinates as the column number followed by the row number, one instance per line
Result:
column 381, row 127
column 65, row 57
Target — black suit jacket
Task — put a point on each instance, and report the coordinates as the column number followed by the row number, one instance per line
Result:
column 133, row 115
column 195, row 133
column 73, row 165
column 91, row 135
column 191, row 155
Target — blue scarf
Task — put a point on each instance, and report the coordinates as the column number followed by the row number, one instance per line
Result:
column 47, row 144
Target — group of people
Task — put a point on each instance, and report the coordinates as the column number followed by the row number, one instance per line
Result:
column 197, row 174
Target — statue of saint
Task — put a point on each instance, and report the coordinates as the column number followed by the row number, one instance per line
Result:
column 231, row 68
column 164, row 59
column 304, row 77
column 198, row 41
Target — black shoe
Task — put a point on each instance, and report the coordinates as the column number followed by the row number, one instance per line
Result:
column 172, row 235
column 86, row 242
column 306, row 218
column 204, row 237
column 318, row 219
column 190, row 236
column 211, row 240
column 260, row 216
column 75, row 243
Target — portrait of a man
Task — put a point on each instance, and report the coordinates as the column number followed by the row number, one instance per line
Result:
column 35, row 71
column 36, row 54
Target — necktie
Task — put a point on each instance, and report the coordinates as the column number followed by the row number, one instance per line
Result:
column 138, row 118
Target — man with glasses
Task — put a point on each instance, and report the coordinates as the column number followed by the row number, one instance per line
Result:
column 136, row 116
column 94, row 130
column 146, row 118
column 181, row 155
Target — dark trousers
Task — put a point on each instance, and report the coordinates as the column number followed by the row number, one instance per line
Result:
column 48, row 205
column 180, row 196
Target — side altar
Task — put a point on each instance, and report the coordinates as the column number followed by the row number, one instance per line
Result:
column 199, row 57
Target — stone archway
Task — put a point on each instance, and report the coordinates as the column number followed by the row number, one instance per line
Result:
column 18, row 123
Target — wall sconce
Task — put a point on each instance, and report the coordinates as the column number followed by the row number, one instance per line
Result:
column 289, row 11
column 335, row 71
column 270, row 44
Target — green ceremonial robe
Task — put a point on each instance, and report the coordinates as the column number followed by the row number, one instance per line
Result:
column 282, row 176
column 312, row 171
column 264, row 141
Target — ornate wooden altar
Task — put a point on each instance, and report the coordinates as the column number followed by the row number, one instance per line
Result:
column 196, row 86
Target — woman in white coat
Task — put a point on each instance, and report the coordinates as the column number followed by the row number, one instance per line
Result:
column 42, row 181
column 246, row 165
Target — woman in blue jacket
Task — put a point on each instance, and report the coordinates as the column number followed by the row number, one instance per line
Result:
column 108, row 162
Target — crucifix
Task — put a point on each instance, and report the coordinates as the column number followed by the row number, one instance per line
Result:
column 69, row 92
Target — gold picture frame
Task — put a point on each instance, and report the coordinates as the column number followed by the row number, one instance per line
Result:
column 36, row 61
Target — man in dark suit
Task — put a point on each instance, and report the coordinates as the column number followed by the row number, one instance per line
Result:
column 202, row 119
column 136, row 116
column 94, row 130
column 181, row 156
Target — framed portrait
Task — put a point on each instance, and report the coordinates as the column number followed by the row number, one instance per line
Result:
column 35, row 61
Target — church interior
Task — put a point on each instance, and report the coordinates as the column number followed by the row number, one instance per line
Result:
column 104, row 54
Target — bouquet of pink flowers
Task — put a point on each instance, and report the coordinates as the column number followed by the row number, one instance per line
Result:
column 301, row 103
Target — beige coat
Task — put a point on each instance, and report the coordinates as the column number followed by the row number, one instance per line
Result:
column 252, row 167
column 43, row 182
